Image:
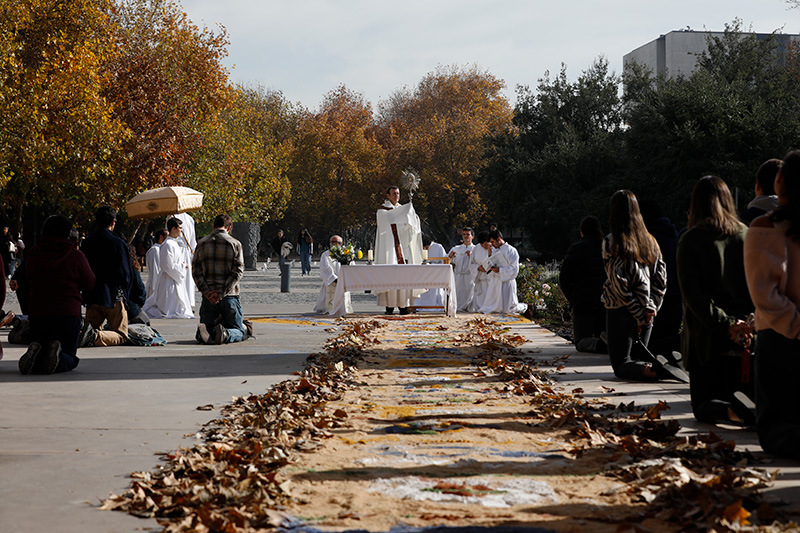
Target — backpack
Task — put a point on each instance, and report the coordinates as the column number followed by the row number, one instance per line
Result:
column 144, row 335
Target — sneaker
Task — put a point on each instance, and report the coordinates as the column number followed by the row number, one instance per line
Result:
column 28, row 359
column 6, row 319
column 665, row 370
column 221, row 334
column 248, row 329
column 87, row 336
column 53, row 357
column 203, row 336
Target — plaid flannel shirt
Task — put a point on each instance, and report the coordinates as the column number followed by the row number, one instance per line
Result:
column 218, row 264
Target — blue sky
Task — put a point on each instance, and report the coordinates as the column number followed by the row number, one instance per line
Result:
column 305, row 48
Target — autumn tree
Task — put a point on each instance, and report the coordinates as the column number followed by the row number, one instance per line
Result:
column 246, row 151
column 439, row 129
column 59, row 137
column 336, row 164
column 167, row 86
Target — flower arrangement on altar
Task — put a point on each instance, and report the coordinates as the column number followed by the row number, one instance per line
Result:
column 345, row 254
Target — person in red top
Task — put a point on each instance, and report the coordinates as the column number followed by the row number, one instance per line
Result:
column 59, row 274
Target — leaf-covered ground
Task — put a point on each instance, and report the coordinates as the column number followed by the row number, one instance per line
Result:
column 432, row 421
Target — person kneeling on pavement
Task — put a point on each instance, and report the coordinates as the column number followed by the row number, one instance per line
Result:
column 58, row 274
column 217, row 268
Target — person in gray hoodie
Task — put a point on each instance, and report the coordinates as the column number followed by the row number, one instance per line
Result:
column 766, row 200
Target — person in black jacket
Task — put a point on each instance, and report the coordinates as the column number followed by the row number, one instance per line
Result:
column 110, row 260
column 581, row 278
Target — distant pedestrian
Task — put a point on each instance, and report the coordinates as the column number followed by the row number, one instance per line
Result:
column 305, row 247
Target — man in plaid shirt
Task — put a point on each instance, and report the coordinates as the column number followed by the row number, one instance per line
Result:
column 217, row 267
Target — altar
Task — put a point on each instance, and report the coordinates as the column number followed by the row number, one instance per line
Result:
column 384, row 277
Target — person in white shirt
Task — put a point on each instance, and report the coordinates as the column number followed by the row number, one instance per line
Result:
column 460, row 257
column 431, row 297
column 479, row 270
column 501, row 296
column 153, row 267
column 329, row 272
column 172, row 301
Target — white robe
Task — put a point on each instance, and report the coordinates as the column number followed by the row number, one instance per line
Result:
column 501, row 294
column 465, row 280
column 329, row 272
column 480, row 257
column 153, row 273
column 432, row 297
column 188, row 242
column 410, row 237
column 172, row 300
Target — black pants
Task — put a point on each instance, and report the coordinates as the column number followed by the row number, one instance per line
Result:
column 66, row 330
column 622, row 330
column 712, row 385
column 777, row 393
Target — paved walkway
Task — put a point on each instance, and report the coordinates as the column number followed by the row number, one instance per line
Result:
column 67, row 441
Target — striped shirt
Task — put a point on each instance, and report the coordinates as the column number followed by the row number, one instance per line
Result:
column 218, row 264
column 633, row 285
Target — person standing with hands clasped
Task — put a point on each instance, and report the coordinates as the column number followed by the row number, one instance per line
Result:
column 635, row 288
column 772, row 267
column 217, row 267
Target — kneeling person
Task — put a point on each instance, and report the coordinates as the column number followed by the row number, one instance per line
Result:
column 217, row 268
column 58, row 274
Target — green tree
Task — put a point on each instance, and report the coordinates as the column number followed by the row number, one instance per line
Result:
column 739, row 107
column 561, row 160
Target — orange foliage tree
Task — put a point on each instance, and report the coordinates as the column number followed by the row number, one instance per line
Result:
column 59, row 137
column 439, row 129
column 336, row 165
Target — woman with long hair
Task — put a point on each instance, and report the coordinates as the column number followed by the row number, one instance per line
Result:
column 716, row 305
column 772, row 265
column 634, row 290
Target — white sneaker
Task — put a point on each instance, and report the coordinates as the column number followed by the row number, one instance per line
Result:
column 203, row 332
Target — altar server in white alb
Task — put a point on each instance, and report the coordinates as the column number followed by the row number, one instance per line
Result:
column 479, row 270
column 398, row 242
column 171, row 298
column 329, row 272
column 431, row 297
column 501, row 296
column 460, row 257
column 153, row 266
column 188, row 243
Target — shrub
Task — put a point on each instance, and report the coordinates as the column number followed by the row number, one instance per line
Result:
column 538, row 285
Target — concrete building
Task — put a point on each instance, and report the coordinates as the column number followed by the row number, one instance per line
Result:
column 675, row 53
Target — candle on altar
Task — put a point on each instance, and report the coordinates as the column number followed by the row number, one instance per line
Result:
column 424, row 255
column 369, row 255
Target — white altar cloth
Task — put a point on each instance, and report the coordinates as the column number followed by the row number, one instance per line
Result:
column 384, row 277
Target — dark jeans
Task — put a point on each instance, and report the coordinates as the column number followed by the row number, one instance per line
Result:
column 712, row 386
column 64, row 329
column 622, row 330
column 777, row 393
column 305, row 261
column 586, row 328
column 229, row 309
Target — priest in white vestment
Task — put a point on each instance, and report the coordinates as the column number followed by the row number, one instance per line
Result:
column 460, row 258
column 398, row 241
column 329, row 272
column 172, row 301
column 431, row 297
column 152, row 260
column 501, row 295
column 188, row 242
